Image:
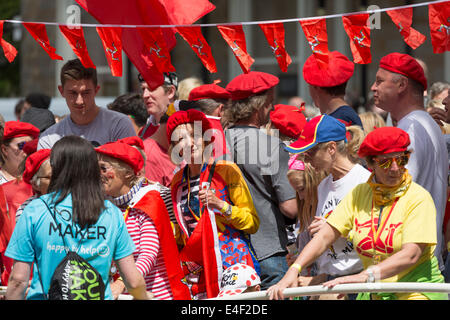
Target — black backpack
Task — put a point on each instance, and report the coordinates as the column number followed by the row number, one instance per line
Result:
column 74, row 278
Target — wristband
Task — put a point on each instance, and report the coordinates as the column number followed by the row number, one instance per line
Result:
column 224, row 208
column 296, row 266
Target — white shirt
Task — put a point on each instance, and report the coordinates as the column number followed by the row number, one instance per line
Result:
column 341, row 259
column 428, row 164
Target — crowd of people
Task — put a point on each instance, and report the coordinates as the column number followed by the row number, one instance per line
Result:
column 197, row 191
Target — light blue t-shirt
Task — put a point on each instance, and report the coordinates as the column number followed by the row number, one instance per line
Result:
column 37, row 235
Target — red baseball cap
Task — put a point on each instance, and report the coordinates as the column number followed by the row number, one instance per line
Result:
column 124, row 152
column 288, row 119
column 384, row 140
column 340, row 70
column 33, row 163
column 189, row 116
column 14, row 129
column 405, row 65
column 249, row 84
column 209, row 91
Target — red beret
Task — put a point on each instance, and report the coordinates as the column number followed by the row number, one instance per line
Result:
column 406, row 65
column 123, row 152
column 250, row 84
column 133, row 141
column 384, row 140
column 189, row 116
column 31, row 146
column 15, row 129
column 33, row 163
column 209, row 91
column 288, row 119
column 340, row 70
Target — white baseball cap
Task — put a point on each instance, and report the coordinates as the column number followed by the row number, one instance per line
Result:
column 237, row 278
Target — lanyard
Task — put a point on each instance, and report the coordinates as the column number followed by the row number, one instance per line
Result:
column 377, row 233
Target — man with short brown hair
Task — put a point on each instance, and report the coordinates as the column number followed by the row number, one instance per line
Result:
column 87, row 120
column 398, row 89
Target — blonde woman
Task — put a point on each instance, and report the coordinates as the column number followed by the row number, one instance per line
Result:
column 371, row 120
column 304, row 179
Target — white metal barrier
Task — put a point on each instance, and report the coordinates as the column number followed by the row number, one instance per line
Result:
column 348, row 288
column 342, row 288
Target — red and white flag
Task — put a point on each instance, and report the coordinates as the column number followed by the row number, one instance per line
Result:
column 358, row 31
column 235, row 37
column 275, row 36
column 112, row 43
column 39, row 33
column 194, row 37
column 75, row 38
column 439, row 20
column 316, row 34
column 403, row 20
column 8, row 49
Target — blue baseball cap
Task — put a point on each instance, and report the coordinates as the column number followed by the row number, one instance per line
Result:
column 323, row 128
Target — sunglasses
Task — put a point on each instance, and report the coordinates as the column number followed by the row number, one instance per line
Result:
column 20, row 145
column 401, row 161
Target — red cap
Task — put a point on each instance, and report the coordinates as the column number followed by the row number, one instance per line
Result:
column 31, row 146
column 384, row 140
column 123, row 152
column 340, row 70
column 209, row 91
column 133, row 141
column 406, row 65
column 288, row 119
column 250, row 84
column 33, row 163
column 14, row 129
column 189, row 116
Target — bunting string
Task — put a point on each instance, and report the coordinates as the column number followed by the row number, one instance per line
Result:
column 149, row 46
column 205, row 25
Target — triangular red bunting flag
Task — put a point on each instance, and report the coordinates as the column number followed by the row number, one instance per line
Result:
column 149, row 12
column 39, row 32
column 155, row 49
column 274, row 33
column 75, row 38
column 195, row 39
column 403, row 20
column 8, row 49
column 316, row 34
column 112, row 43
column 235, row 37
column 358, row 31
column 439, row 19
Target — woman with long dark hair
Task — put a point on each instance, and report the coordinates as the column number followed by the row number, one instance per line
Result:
column 74, row 216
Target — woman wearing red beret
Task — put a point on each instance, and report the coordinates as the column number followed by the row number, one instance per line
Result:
column 212, row 204
column 393, row 221
column 15, row 135
column 146, row 218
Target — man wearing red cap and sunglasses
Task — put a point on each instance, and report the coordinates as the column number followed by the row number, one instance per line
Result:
column 398, row 89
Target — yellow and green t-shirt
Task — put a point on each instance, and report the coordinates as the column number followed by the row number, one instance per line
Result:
column 412, row 220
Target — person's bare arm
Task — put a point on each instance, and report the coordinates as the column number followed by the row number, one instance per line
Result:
column 18, row 280
column 289, row 208
column 134, row 281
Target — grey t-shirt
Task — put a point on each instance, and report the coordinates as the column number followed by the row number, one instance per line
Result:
column 108, row 126
column 264, row 164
